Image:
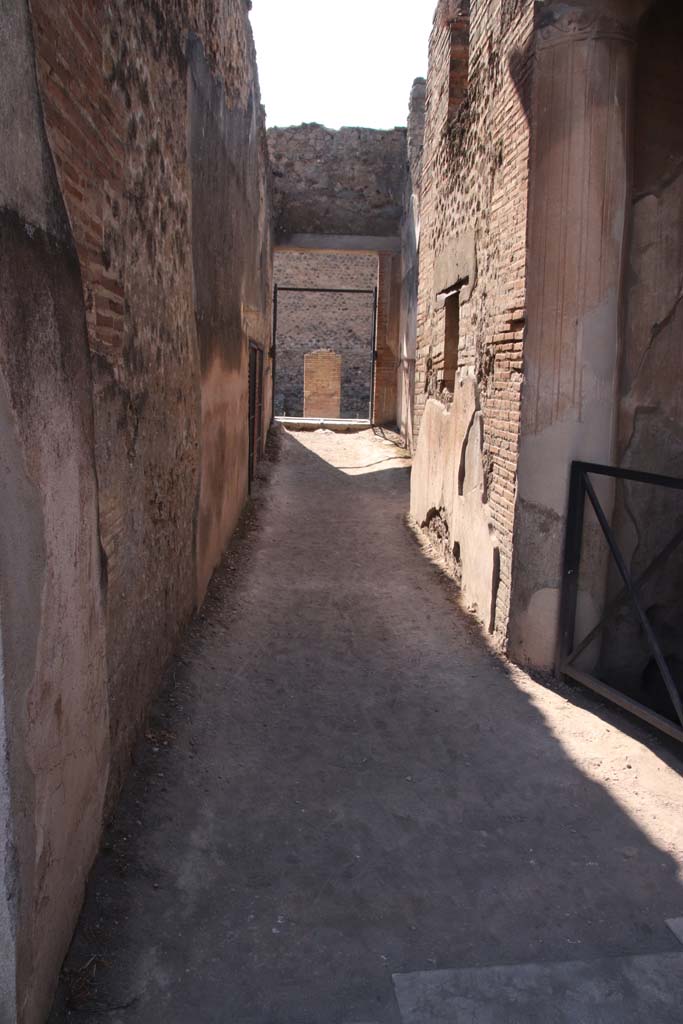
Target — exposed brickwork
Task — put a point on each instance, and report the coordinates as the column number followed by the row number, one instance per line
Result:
column 322, row 384
column 342, row 323
column 115, row 92
column 153, row 118
column 474, row 185
column 87, row 123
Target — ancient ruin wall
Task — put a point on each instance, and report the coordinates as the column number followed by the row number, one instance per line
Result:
column 154, row 255
column 346, row 182
column 410, row 233
column 307, row 321
column 473, row 213
column 651, row 405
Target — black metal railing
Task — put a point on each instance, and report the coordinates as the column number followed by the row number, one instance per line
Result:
column 580, row 488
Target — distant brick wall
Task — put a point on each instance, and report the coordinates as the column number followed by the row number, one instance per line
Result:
column 308, row 321
column 322, row 384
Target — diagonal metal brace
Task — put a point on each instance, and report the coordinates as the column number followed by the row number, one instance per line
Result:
column 622, row 596
column 633, row 594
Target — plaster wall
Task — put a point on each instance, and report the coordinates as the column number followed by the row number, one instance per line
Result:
column 410, row 236
column 8, row 951
column 154, row 118
column 581, row 122
column 650, row 424
column 53, row 665
column 135, row 265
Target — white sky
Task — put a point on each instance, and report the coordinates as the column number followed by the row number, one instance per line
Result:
column 347, row 63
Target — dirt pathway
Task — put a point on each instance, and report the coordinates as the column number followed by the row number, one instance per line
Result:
column 342, row 783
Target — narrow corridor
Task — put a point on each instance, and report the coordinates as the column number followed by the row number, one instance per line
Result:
column 342, row 784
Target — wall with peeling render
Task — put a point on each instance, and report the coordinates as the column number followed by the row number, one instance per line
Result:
column 135, row 266
column 650, row 432
column 410, row 235
column 473, row 221
column 52, row 618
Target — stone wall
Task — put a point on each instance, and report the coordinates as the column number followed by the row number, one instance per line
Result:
column 472, row 244
column 410, row 234
column 307, row 321
column 136, row 265
column 347, row 182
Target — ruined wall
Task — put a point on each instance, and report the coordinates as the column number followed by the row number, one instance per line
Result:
column 307, row 321
column 650, row 430
column 347, row 182
column 473, row 221
column 146, row 112
column 343, row 191
column 51, row 585
column 581, row 113
column 410, row 236
column 136, row 266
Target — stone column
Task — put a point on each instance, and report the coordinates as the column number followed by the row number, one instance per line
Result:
column 579, row 183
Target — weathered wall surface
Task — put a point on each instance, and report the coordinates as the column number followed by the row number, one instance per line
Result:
column 410, row 235
column 51, row 588
column 581, row 111
column 473, row 220
column 158, row 135
column 307, row 321
column 136, row 266
column 346, row 182
column 650, row 429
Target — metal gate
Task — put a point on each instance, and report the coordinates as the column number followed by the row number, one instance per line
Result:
column 334, row 291
column 255, row 407
column 568, row 650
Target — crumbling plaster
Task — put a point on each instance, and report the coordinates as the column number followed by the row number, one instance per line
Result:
column 473, row 205
column 448, row 480
column 123, row 396
column 51, row 594
column 580, row 113
column 650, row 424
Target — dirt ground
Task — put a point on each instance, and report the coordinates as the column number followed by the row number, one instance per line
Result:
column 341, row 782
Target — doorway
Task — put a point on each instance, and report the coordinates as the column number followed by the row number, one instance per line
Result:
column 255, row 407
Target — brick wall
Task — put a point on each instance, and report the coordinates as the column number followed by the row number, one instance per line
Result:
column 308, row 321
column 152, row 116
column 322, row 384
column 473, row 207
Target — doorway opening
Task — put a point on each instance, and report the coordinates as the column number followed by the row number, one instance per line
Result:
column 255, row 407
column 325, row 313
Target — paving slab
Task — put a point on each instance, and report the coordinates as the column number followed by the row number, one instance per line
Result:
column 612, row 990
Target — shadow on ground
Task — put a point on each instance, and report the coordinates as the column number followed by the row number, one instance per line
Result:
column 341, row 782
